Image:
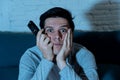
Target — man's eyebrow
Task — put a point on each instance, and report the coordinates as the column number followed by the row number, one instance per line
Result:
column 48, row 27
column 66, row 25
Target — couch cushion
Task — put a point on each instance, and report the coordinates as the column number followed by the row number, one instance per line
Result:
column 12, row 46
column 109, row 72
column 9, row 73
column 104, row 45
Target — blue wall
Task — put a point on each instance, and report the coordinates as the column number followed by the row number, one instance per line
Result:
column 15, row 14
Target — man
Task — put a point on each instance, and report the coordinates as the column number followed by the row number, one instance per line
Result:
column 55, row 56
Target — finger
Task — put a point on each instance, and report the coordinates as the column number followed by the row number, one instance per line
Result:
column 47, row 40
column 68, row 39
column 71, row 38
column 39, row 35
column 42, row 38
column 65, row 40
column 50, row 44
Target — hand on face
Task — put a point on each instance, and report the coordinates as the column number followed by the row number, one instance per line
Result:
column 44, row 44
column 65, row 50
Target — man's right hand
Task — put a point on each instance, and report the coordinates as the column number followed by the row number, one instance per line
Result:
column 44, row 44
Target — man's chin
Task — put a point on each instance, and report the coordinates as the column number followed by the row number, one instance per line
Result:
column 56, row 51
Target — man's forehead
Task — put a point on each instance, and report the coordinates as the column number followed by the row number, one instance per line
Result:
column 62, row 26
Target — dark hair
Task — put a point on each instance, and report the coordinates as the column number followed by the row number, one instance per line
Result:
column 57, row 12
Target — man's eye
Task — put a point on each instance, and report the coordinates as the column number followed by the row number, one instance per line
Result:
column 49, row 30
column 63, row 30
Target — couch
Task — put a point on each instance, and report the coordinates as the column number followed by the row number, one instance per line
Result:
column 104, row 45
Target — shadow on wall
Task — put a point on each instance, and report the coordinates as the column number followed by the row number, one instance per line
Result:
column 105, row 16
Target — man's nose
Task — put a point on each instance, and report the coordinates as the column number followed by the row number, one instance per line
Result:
column 58, row 35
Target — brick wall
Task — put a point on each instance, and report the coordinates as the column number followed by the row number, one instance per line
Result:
column 89, row 14
column 105, row 16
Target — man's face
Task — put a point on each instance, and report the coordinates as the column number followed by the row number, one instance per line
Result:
column 56, row 29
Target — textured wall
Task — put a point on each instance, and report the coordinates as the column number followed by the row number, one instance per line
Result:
column 89, row 14
column 105, row 16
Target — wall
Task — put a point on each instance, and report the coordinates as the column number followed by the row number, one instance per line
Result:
column 91, row 15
